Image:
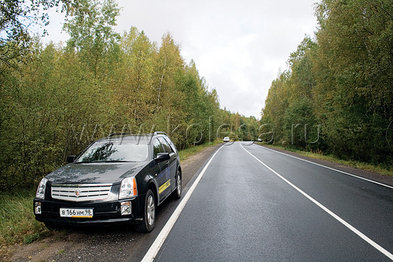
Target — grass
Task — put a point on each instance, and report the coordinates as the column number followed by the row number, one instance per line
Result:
column 186, row 153
column 355, row 164
column 17, row 222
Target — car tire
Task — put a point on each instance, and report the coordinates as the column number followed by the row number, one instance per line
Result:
column 179, row 186
column 149, row 214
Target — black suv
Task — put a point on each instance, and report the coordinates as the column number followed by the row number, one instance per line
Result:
column 120, row 178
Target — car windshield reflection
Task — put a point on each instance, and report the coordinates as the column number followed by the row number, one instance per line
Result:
column 114, row 152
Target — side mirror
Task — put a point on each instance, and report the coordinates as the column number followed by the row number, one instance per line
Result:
column 162, row 157
column 71, row 159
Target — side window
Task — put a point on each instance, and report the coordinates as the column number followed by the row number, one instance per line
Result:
column 165, row 144
column 157, row 148
column 171, row 144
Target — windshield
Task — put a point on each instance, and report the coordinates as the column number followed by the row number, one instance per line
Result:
column 110, row 151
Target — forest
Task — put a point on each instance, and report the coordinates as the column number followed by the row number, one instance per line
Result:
column 57, row 98
column 336, row 97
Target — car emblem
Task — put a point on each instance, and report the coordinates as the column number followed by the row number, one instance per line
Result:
column 77, row 192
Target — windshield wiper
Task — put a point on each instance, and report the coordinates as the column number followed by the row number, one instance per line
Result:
column 109, row 161
column 102, row 161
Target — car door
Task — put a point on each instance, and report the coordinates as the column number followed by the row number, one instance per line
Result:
column 163, row 177
column 172, row 161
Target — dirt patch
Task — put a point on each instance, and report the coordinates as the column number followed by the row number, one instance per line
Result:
column 101, row 244
column 44, row 249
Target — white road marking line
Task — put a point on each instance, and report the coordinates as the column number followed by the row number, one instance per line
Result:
column 331, row 168
column 339, row 219
column 159, row 241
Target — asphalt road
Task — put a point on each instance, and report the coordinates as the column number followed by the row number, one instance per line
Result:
column 255, row 204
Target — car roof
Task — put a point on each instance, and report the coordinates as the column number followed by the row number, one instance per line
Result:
column 141, row 138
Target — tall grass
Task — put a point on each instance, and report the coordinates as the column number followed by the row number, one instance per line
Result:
column 17, row 222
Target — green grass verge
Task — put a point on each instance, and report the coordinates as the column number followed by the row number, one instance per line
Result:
column 17, row 222
column 186, row 153
column 355, row 164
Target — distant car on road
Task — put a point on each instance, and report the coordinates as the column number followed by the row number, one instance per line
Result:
column 120, row 178
column 226, row 139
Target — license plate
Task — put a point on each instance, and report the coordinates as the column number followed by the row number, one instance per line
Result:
column 76, row 212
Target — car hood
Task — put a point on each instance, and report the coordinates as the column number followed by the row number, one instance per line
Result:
column 92, row 173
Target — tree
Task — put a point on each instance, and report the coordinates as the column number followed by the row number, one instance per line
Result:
column 91, row 32
column 355, row 40
column 135, row 93
column 16, row 16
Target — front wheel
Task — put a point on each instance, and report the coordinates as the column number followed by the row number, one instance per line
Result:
column 149, row 214
column 179, row 187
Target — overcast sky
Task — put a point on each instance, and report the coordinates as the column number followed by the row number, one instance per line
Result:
column 238, row 46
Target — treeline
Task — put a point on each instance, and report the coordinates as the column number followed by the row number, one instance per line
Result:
column 56, row 99
column 337, row 95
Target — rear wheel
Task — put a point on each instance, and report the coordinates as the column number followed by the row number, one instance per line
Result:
column 179, row 186
column 149, row 214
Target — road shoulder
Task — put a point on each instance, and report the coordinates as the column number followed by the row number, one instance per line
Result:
column 385, row 179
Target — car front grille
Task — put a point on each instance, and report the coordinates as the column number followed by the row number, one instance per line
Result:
column 80, row 192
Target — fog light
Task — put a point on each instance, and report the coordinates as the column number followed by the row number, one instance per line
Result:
column 37, row 208
column 125, row 208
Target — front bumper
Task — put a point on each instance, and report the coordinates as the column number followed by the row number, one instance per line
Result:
column 103, row 211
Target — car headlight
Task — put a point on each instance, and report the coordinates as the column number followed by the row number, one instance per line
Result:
column 128, row 188
column 41, row 189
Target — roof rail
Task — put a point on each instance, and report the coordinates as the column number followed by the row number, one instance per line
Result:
column 123, row 134
column 159, row 133
column 118, row 134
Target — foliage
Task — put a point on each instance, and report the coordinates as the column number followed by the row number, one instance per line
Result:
column 16, row 18
column 341, row 81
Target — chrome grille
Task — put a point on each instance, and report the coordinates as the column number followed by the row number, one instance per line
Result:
column 80, row 192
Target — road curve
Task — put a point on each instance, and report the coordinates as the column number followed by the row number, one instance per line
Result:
column 254, row 204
